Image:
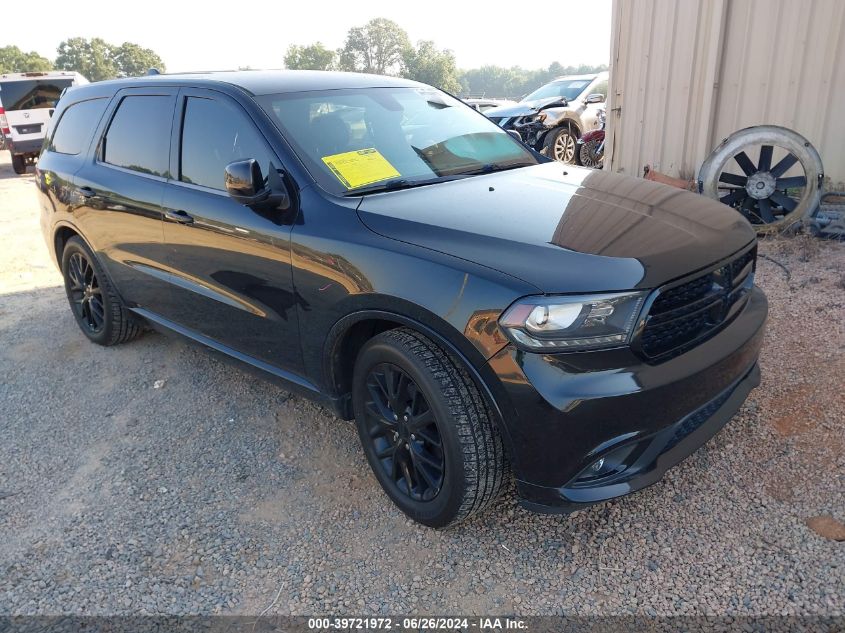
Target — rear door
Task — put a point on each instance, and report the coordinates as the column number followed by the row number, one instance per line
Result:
column 29, row 103
column 119, row 189
column 231, row 265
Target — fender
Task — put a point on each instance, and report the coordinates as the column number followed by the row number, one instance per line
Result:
column 483, row 375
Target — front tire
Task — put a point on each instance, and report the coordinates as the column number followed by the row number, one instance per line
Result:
column 560, row 145
column 98, row 310
column 426, row 429
column 19, row 164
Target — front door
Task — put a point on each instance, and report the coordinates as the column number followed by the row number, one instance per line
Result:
column 230, row 266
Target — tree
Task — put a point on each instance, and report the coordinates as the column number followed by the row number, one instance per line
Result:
column 312, row 57
column 491, row 81
column 14, row 60
column 431, row 66
column 99, row 60
column 93, row 58
column 133, row 60
column 377, row 47
column 515, row 82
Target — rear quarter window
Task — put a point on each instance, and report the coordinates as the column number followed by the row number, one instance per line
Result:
column 138, row 137
column 75, row 128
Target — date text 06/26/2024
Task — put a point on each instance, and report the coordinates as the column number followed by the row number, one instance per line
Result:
column 417, row 624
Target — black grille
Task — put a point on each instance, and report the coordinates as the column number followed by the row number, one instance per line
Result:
column 684, row 316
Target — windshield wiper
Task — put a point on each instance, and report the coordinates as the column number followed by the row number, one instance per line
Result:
column 489, row 168
column 394, row 185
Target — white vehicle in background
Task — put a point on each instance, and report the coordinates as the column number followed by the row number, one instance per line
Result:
column 27, row 101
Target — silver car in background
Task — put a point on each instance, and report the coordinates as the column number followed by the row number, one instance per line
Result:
column 552, row 118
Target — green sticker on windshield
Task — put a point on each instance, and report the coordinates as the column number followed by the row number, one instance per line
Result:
column 361, row 167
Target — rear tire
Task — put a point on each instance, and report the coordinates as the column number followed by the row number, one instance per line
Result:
column 97, row 308
column 426, row 429
column 18, row 164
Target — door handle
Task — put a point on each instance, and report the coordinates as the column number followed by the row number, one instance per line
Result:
column 86, row 192
column 178, row 216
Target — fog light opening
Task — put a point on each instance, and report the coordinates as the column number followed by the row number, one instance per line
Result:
column 610, row 464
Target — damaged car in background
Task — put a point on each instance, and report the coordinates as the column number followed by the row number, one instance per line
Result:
column 552, row 118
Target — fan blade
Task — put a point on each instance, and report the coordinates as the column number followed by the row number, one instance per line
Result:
column 765, row 158
column 786, row 162
column 765, row 208
column 792, row 181
column 733, row 179
column 745, row 162
column 736, row 196
column 746, row 208
column 783, row 200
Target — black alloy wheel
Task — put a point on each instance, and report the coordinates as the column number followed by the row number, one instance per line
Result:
column 404, row 434
column 426, row 429
column 97, row 308
column 85, row 294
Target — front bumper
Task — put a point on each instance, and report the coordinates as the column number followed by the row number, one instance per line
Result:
column 571, row 410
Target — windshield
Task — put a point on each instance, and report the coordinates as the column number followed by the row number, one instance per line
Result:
column 32, row 93
column 374, row 138
column 567, row 88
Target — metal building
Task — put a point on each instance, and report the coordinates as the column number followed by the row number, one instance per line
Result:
column 687, row 73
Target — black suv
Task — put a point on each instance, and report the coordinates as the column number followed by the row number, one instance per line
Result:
column 376, row 245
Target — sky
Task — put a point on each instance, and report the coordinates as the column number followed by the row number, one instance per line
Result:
column 219, row 35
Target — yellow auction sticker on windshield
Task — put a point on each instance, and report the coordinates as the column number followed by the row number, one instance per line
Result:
column 361, row 167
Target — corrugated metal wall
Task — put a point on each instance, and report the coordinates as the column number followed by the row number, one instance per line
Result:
column 686, row 74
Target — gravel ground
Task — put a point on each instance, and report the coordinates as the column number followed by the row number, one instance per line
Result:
column 217, row 492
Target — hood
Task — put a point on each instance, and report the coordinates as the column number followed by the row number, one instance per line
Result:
column 563, row 228
column 523, row 107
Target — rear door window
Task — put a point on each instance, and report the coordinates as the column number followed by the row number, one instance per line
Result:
column 138, row 137
column 75, row 128
column 29, row 94
column 215, row 134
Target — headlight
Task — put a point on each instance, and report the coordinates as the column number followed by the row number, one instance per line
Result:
column 573, row 323
column 528, row 119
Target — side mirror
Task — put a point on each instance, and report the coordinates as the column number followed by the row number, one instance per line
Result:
column 244, row 180
column 596, row 97
column 515, row 134
column 245, row 184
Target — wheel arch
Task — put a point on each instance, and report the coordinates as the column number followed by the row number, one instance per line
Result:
column 573, row 123
column 350, row 333
column 61, row 234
